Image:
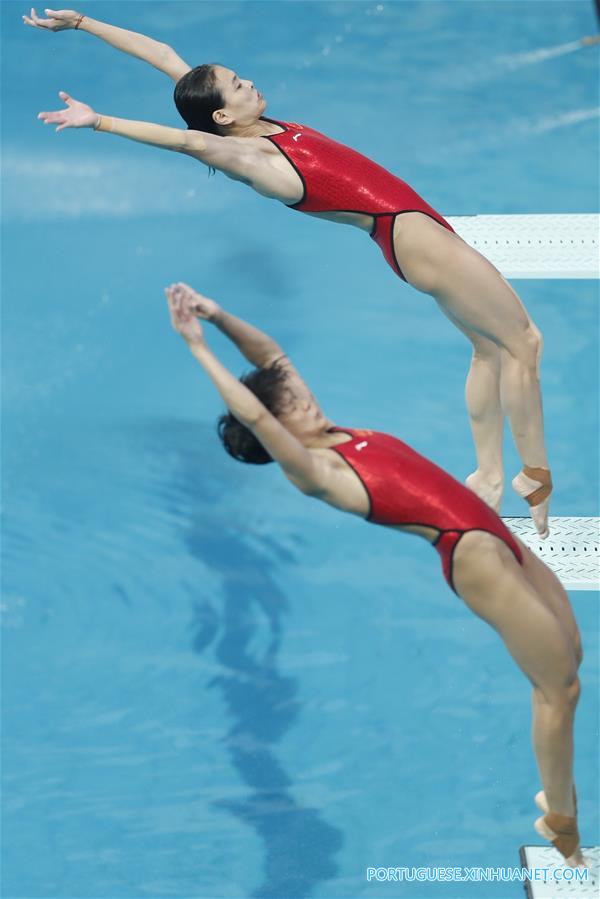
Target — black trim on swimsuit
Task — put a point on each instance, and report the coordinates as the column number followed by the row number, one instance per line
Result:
column 453, row 550
column 336, row 430
column 420, row 524
column 395, row 215
column 461, row 532
column 291, row 162
column 281, row 125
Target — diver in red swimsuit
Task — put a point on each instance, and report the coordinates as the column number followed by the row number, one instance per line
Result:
column 274, row 417
column 308, row 171
column 336, row 178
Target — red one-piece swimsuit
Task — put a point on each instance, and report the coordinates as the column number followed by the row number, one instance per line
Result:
column 338, row 179
column 406, row 488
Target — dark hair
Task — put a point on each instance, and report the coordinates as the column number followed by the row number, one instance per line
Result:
column 197, row 97
column 238, row 440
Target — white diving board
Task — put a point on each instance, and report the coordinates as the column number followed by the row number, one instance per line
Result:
column 560, row 881
column 572, row 550
column 535, row 246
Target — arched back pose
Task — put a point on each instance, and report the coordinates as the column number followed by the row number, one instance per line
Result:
column 274, row 417
column 310, row 172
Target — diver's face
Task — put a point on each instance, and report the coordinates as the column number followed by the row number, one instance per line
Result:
column 302, row 417
column 243, row 103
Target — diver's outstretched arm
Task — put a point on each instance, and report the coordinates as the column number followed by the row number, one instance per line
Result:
column 234, row 156
column 258, row 348
column 157, row 54
column 307, row 471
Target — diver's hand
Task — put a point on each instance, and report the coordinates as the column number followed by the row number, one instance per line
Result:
column 198, row 304
column 183, row 317
column 76, row 115
column 59, row 19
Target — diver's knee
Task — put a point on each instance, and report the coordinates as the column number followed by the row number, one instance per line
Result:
column 538, row 345
column 563, row 698
column 569, row 693
column 527, row 348
column 531, row 345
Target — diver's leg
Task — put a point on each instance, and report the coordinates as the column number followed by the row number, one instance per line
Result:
column 495, row 586
column 552, row 592
column 553, row 595
column 472, row 292
column 482, row 393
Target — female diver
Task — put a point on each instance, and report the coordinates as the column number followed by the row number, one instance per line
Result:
column 310, row 172
column 274, row 417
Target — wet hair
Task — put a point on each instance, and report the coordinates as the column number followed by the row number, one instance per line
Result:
column 197, row 97
column 266, row 384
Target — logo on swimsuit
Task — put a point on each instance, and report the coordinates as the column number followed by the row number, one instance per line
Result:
column 296, row 136
column 361, row 446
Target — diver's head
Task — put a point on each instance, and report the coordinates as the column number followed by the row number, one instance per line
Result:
column 267, row 384
column 215, row 99
column 302, row 418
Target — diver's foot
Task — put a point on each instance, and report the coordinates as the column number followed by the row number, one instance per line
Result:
column 488, row 488
column 576, row 859
column 535, row 486
column 562, row 832
column 590, row 40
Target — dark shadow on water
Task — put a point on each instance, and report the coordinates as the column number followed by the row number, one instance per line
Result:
column 246, row 633
column 257, row 267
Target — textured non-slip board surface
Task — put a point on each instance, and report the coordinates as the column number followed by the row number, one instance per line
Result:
column 571, row 551
column 549, row 860
column 535, row 246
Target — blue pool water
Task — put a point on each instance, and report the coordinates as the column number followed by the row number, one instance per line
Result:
column 213, row 686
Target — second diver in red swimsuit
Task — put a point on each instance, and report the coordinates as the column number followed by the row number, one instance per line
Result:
column 310, row 172
column 273, row 416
